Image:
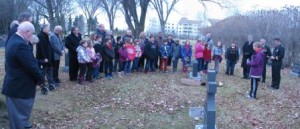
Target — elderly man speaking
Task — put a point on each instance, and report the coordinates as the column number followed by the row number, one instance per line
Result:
column 22, row 76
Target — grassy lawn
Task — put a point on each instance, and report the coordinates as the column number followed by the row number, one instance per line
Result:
column 160, row 101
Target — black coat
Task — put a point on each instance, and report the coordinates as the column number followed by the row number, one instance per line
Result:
column 11, row 32
column 72, row 42
column 151, row 50
column 267, row 52
column 278, row 52
column 22, row 71
column 108, row 53
column 247, row 52
column 44, row 50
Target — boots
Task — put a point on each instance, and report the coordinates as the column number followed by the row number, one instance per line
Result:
column 119, row 74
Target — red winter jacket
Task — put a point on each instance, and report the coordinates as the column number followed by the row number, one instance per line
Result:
column 206, row 54
column 130, row 51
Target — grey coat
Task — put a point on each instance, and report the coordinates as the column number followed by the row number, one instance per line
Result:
column 57, row 46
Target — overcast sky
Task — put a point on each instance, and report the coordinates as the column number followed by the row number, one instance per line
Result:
column 192, row 9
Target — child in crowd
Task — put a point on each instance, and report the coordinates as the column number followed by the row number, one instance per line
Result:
column 256, row 68
column 206, row 57
column 232, row 57
column 176, row 54
column 130, row 54
column 83, row 59
column 151, row 52
column 164, row 55
column 138, row 54
column 117, row 45
column 186, row 53
column 108, row 56
column 217, row 55
column 98, row 50
column 122, row 59
column 199, row 54
column 91, row 53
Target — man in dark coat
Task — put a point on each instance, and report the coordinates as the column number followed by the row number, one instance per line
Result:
column 72, row 42
column 21, row 77
column 24, row 16
column 268, row 54
column 170, row 43
column 247, row 53
column 277, row 57
column 44, row 53
column 102, row 33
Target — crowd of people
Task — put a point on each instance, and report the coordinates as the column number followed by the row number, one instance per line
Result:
column 102, row 53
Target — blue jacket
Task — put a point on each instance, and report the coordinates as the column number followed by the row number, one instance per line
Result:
column 184, row 52
column 57, row 46
column 22, row 71
column 165, row 51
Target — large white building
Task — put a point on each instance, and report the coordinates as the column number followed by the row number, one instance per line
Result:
column 184, row 28
column 188, row 28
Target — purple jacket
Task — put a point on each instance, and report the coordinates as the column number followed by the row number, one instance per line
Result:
column 123, row 54
column 256, row 64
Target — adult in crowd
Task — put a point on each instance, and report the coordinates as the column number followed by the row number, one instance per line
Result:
column 101, row 32
column 277, row 57
column 199, row 54
column 208, row 40
column 247, row 53
column 128, row 34
column 58, row 50
column 21, row 77
column 217, row 55
column 72, row 42
column 143, row 42
column 267, row 53
column 232, row 56
column 24, row 16
column 44, row 53
column 170, row 43
column 176, row 54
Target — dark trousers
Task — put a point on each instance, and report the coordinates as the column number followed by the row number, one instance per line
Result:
column 264, row 72
column 200, row 64
column 48, row 71
column 175, row 63
column 230, row 67
column 135, row 64
column 127, row 68
column 82, row 70
column 205, row 65
column 19, row 112
column 156, row 62
column 121, row 66
column 116, row 64
column 169, row 60
column 246, row 71
column 150, row 65
column 163, row 66
column 101, row 67
column 73, row 69
column 254, row 86
column 55, row 70
column 108, row 67
column 141, row 62
column 89, row 72
column 276, row 76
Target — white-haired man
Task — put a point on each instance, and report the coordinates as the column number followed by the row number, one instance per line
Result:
column 21, row 77
column 58, row 51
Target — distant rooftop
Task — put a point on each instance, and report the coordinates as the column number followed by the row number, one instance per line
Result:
column 184, row 20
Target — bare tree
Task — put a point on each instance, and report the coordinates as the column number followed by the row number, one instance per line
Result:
column 135, row 24
column 89, row 8
column 57, row 11
column 163, row 9
column 110, row 7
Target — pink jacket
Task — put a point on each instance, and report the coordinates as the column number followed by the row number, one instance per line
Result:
column 199, row 50
column 130, row 51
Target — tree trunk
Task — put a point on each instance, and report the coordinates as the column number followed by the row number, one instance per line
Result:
column 51, row 15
